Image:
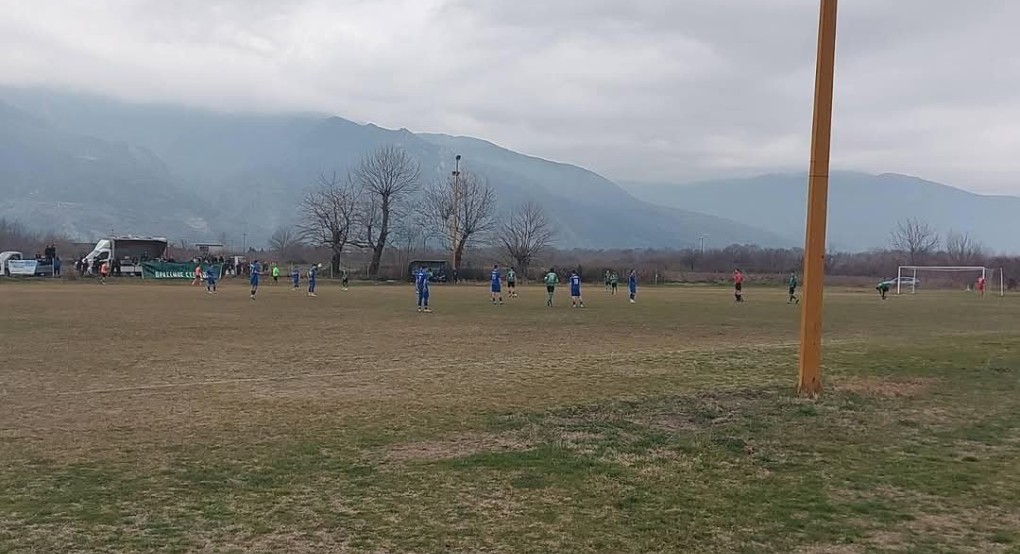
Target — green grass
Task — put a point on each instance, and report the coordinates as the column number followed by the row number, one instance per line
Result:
column 351, row 423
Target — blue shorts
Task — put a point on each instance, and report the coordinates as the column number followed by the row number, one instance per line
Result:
column 496, row 288
column 255, row 282
column 575, row 291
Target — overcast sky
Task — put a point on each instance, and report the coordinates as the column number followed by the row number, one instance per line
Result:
column 647, row 90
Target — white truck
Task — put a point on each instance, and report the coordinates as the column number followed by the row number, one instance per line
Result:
column 14, row 264
column 127, row 253
column 6, row 257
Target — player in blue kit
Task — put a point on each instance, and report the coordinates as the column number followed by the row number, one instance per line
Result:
column 295, row 278
column 254, row 279
column 575, row 290
column 312, row 272
column 210, row 280
column 632, row 285
column 421, row 286
column 496, row 285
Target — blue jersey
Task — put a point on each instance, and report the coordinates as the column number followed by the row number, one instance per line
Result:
column 575, row 284
column 632, row 282
column 210, row 276
column 254, row 274
column 494, row 278
column 421, row 282
column 295, row 275
column 312, row 271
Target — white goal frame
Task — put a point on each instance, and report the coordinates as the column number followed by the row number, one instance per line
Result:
column 913, row 269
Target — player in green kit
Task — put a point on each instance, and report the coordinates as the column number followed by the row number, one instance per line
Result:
column 793, row 290
column 614, row 282
column 511, row 283
column 883, row 289
column 550, row 280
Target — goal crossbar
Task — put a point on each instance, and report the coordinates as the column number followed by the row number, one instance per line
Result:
column 947, row 269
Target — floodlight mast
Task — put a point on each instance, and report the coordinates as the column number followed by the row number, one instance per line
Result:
column 455, row 224
column 809, row 379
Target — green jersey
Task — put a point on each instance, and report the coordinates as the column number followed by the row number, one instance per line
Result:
column 793, row 282
column 511, row 277
column 551, row 279
column 614, row 279
column 276, row 271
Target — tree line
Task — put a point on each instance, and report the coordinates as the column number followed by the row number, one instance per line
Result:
column 383, row 211
column 383, row 203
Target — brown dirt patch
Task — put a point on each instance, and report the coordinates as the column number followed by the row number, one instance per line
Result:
column 456, row 447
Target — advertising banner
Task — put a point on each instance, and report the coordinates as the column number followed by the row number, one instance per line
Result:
column 22, row 267
column 167, row 270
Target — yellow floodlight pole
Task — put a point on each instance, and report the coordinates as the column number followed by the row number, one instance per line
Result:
column 809, row 381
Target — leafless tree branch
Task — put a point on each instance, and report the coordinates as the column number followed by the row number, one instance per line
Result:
column 329, row 215
column 525, row 234
column 915, row 238
column 463, row 211
column 387, row 178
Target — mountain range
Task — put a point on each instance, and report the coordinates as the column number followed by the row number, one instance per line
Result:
column 88, row 166
column 863, row 212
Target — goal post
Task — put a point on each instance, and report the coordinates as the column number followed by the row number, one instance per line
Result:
column 910, row 272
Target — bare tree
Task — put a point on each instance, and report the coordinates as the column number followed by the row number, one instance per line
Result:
column 409, row 233
column 962, row 249
column 915, row 238
column 464, row 207
column 525, row 234
column 387, row 177
column 16, row 236
column 690, row 257
column 329, row 215
column 283, row 240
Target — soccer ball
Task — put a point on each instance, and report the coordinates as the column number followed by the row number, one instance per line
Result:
column 319, row 265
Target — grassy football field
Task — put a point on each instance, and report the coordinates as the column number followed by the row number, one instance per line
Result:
column 154, row 417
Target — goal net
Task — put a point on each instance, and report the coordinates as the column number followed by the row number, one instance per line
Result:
column 909, row 277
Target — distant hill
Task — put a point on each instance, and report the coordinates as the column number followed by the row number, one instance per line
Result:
column 246, row 174
column 83, row 186
column 863, row 209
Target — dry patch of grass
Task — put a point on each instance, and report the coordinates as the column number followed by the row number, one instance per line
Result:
column 830, row 549
column 459, row 446
column 885, row 387
column 937, row 521
column 350, row 423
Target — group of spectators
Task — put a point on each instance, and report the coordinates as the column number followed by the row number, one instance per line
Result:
column 49, row 257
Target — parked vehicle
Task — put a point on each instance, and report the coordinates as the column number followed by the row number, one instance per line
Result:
column 127, row 253
column 904, row 282
column 7, row 256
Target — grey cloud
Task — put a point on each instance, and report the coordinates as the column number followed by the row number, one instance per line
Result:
column 647, row 90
